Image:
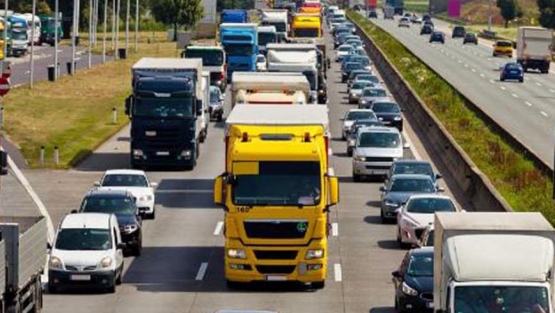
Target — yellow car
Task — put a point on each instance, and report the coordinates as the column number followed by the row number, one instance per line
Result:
column 503, row 47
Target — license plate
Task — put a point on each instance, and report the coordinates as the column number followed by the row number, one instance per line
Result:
column 276, row 278
column 430, row 305
column 80, row 277
column 162, row 153
column 514, row 72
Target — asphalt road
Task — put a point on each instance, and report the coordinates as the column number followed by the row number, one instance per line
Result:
column 44, row 57
column 184, row 236
column 526, row 110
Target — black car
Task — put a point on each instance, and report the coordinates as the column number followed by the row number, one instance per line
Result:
column 426, row 29
column 372, row 14
column 414, row 281
column 389, row 113
column 349, row 67
column 458, row 32
column 412, row 166
column 122, row 204
column 470, row 38
column 437, row 36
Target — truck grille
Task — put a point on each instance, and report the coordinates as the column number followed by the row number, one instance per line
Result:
column 275, row 255
column 275, row 269
column 167, row 138
column 379, row 159
column 276, row 229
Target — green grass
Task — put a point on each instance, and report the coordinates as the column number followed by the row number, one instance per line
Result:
column 74, row 113
column 514, row 176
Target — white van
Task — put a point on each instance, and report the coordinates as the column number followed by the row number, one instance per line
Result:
column 36, row 38
column 87, row 250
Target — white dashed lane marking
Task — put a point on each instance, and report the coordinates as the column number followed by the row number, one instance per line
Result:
column 528, row 103
column 202, row 271
column 334, row 229
column 337, row 272
column 218, row 229
column 544, row 114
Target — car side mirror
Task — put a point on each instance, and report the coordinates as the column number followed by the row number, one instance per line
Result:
column 48, row 246
column 96, row 184
column 440, row 189
column 154, row 185
column 383, row 189
column 199, row 107
column 406, row 145
column 396, row 274
column 438, row 176
column 121, row 245
column 73, row 211
column 342, row 119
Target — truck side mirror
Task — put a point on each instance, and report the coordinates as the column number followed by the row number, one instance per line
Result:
column 333, row 183
column 128, row 103
column 199, row 107
column 4, row 162
column 183, row 55
column 218, row 189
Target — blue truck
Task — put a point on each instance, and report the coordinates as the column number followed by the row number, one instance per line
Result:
column 234, row 16
column 165, row 109
column 240, row 42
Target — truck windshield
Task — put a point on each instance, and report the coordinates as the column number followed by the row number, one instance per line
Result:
column 280, row 26
column 163, row 107
column 83, row 239
column 279, row 183
column 238, row 49
column 266, row 38
column 209, row 57
column 19, row 36
column 501, row 299
column 306, row 32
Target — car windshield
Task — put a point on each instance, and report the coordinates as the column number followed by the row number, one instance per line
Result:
column 421, row 265
column 361, row 60
column 260, row 58
column 385, row 107
column 164, row 107
column 379, row 140
column 430, row 205
column 108, row 204
column 359, row 115
column 346, row 48
column 276, row 183
column 360, row 85
column 413, row 168
column 352, row 66
column 374, row 93
column 124, row 180
column 519, row 298
column 238, row 49
column 306, row 32
column 374, row 79
column 412, row 185
column 83, row 239
column 19, row 35
column 504, row 44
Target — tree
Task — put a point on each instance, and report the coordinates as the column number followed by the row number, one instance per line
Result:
column 178, row 13
column 547, row 13
column 509, row 10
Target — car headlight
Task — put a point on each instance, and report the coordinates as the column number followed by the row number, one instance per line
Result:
column 138, row 152
column 314, row 254
column 106, row 262
column 353, row 94
column 408, row 290
column 391, row 203
column 236, row 254
column 359, row 158
column 55, row 262
column 145, row 198
column 130, row 228
column 397, row 118
column 363, row 101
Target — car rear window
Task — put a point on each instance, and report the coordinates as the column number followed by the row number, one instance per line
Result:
column 504, row 44
column 346, row 48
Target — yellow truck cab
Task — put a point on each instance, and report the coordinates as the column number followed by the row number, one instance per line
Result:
column 306, row 25
column 276, row 192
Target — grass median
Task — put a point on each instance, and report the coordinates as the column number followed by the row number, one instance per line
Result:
column 74, row 113
column 512, row 174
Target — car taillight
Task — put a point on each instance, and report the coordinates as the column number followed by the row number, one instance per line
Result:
column 220, row 75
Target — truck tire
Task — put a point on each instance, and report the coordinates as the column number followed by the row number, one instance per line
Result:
column 52, row 289
column 233, row 284
column 318, row 285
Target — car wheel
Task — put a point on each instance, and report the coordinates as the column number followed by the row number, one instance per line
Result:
column 494, row 55
column 382, row 216
column 521, row 80
column 152, row 215
column 52, row 289
column 356, row 178
column 502, row 78
column 350, row 152
column 112, row 287
column 399, row 240
column 119, row 279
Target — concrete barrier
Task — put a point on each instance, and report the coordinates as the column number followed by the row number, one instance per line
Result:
column 475, row 186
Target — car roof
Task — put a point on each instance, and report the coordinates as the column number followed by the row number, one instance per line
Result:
column 382, row 129
column 411, row 161
column 428, row 196
column 126, row 171
column 86, row 220
column 109, row 193
column 409, row 176
column 359, row 110
column 388, row 102
column 425, row 251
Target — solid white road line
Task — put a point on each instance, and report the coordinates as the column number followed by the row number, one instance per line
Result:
column 544, row 114
column 202, row 271
column 337, row 272
column 334, row 229
column 218, row 229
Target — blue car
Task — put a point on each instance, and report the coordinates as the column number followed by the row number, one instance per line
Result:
column 512, row 70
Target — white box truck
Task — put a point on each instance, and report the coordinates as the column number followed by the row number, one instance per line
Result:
column 493, row 262
column 269, row 88
column 279, row 19
column 534, row 48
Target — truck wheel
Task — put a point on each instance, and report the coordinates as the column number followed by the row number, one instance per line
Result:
column 233, row 284
column 318, row 285
column 356, row 178
column 52, row 289
column 220, row 118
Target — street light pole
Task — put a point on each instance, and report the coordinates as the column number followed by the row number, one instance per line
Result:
column 490, row 16
column 104, row 28
column 32, row 58
column 136, row 26
column 91, row 32
column 118, row 9
column 56, row 35
column 113, row 24
column 73, row 36
column 127, row 16
column 5, row 33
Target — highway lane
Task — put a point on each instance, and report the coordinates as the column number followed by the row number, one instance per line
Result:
column 184, row 236
column 525, row 110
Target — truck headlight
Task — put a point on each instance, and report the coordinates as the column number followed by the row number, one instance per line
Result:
column 314, row 254
column 130, row 228
column 363, row 101
column 138, row 152
column 55, row 263
column 408, row 290
column 186, row 154
column 106, row 262
column 236, row 254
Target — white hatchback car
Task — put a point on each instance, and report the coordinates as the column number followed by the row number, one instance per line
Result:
column 418, row 213
column 87, row 250
column 134, row 181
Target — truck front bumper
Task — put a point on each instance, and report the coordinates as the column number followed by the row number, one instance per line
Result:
column 163, row 158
